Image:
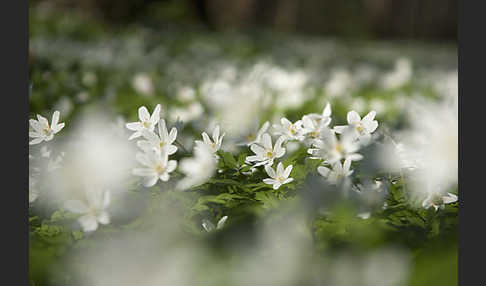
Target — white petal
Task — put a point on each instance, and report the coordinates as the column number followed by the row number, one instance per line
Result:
column 150, row 181
column 450, row 198
column 270, row 171
column 346, row 165
column 36, row 141
column 370, row 116
column 269, row 181
column 287, row 171
column 134, row 126
column 171, row 149
column 221, row 222
column 143, row 114
column 287, row 181
column 216, row 133
column 324, row 171
column 340, row 128
column 327, row 110
column 56, row 128
column 164, row 177
column 206, row 139
column 171, row 165
column 35, row 125
column 156, row 115
column 257, row 149
column 266, row 141
column 353, row 117
column 280, row 168
column 55, row 118
column 172, row 135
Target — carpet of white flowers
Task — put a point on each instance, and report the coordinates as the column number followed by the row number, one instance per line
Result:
column 186, row 157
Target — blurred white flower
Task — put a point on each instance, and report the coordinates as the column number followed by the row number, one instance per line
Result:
column 215, row 144
column 64, row 105
column 265, row 153
column 41, row 129
column 209, row 226
column 400, row 75
column 186, row 114
column 199, row 168
column 186, row 94
column 94, row 211
column 290, row 131
column 432, row 142
column 161, row 142
column 157, row 166
column 278, row 177
column 338, row 172
column 146, row 121
column 438, row 201
column 363, row 127
column 255, row 134
column 339, row 83
column 142, row 83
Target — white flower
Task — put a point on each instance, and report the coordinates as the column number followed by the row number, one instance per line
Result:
column 94, row 212
column 438, row 200
column 42, row 130
column 314, row 123
column 265, row 153
column 331, row 149
column 157, row 166
column 160, row 142
column 142, row 83
column 364, row 127
column 339, row 171
column 215, row 144
column 291, row 131
column 146, row 122
column 279, row 177
column 255, row 135
column 209, row 226
column 197, row 169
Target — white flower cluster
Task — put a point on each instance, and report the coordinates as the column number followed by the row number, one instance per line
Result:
column 313, row 130
column 156, row 147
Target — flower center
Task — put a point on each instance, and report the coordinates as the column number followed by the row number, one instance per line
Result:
column 146, row 124
column 159, row 169
column 161, row 144
column 339, row 148
column 292, row 129
column 359, row 128
column 251, row 137
column 269, row 154
column 314, row 134
column 280, row 179
column 46, row 130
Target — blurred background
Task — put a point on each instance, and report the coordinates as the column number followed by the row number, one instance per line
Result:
column 373, row 19
column 238, row 63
